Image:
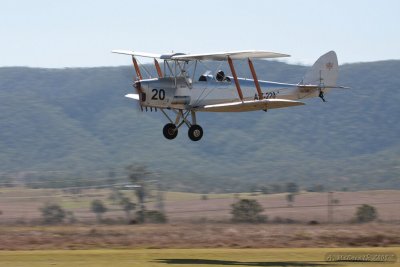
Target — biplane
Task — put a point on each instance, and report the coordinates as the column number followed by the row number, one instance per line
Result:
column 176, row 90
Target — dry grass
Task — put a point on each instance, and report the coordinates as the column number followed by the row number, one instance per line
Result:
column 208, row 235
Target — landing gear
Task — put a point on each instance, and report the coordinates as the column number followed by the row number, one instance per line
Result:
column 170, row 130
column 321, row 95
column 195, row 132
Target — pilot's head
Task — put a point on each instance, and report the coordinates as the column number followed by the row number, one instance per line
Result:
column 220, row 76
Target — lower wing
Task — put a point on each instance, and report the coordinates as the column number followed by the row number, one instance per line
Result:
column 251, row 105
column 133, row 96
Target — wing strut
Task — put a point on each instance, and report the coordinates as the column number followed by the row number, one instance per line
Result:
column 159, row 72
column 253, row 73
column 235, row 78
column 137, row 69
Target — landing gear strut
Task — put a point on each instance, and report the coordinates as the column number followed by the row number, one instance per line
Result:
column 321, row 95
column 170, row 130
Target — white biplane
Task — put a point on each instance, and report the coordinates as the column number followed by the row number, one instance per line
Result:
column 176, row 90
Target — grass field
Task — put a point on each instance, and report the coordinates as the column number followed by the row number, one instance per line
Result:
column 185, row 257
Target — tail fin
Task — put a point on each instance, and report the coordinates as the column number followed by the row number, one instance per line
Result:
column 324, row 72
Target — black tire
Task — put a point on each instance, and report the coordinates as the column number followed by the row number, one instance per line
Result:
column 195, row 132
column 170, row 131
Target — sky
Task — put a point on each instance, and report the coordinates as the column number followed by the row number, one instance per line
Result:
column 81, row 33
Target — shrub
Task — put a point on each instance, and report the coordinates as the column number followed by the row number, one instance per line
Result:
column 53, row 213
column 247, row 210
column 366, row 213
column 127, row 206
column 98, row 208
column 290, row 199
column 292, row 187
column 264, row 190
column 151, row 216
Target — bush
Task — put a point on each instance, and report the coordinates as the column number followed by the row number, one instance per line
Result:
column 292, row 187
column 98, row 208
column 264, row 190
column 151, row 216
column 53, row 213
column 290, row 199
column 366, row 213
column 247, row 210
column 127, row 206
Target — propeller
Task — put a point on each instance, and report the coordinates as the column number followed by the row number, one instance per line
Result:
column 137, row 85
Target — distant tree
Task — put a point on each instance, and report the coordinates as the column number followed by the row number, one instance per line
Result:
column 319, row 188
column 70, row 217
column 153, row 216
column 128, row 206
column 290, row 199
column 276, row 188
column 204, row 197
column 53, row 213
column 73, row 191
column 335, row 201
column 366, row 213
column 253, row 188
column 6, row 180
column 111, row 176
column 264, row 189
column 160, row 197
column 138, row 176
column 98, row 208
column 116, row 196
column 292, row 187
column 316, row 188
column 247, row 210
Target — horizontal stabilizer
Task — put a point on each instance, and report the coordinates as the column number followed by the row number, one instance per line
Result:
column 133, row 96
column 251, row 105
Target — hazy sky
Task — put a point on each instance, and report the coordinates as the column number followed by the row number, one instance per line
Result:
column 74, row 33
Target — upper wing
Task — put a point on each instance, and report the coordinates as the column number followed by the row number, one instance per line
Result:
column 251, row 105
column 233, row 55
column 210, row 56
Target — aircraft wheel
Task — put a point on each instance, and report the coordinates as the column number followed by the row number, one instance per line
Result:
column 195, row 132
column 170, row 131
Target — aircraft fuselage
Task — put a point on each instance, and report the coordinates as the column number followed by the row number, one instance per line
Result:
column 181, row 93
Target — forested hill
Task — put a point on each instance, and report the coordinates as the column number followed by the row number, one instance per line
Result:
column 77, row 122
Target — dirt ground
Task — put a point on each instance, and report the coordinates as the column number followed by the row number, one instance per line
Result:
column 197, row 223
column 207, row 235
